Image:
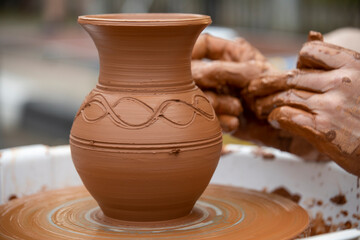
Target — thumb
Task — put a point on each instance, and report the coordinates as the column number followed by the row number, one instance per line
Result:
column 297, row 122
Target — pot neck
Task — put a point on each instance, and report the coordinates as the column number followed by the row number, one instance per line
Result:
column 145, row 58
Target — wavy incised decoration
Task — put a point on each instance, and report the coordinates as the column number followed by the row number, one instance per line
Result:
column 132, row 113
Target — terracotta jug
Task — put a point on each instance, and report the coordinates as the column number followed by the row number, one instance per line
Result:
column 146, row 140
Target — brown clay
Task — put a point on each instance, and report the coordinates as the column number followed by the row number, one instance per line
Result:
column 282, row 191
column 319, row 225
column 222, row 213
column 260, row 152
column 146, row 140
column 339, row 199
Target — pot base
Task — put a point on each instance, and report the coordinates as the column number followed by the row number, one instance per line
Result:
column 146, row 216
column 221, row 213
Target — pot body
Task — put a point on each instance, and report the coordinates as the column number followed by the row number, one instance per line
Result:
column 146, row 140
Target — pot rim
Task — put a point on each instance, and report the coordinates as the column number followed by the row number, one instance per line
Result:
column 145, row 19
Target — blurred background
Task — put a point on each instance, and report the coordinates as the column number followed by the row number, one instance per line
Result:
column 48, row 64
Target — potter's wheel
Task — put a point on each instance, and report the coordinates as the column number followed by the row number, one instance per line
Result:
column 221, row 213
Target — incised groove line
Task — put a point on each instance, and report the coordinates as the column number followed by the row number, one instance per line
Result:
column 123, row 147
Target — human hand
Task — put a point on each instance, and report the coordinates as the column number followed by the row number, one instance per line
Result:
column 231, row 66
column 319, row 101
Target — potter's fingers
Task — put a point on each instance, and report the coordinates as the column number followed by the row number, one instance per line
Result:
column 300, row 123
column 266, row 85
column 296, row 121
column 296, row 98
column 200, row 47
column 304, row 124
column 215, row 48
column 224, row 104
column 217, row 74
column 228, row 105
column 310, row 80
column 228, row 123
column 212, row 97
column 321, row 55
column 244, row 51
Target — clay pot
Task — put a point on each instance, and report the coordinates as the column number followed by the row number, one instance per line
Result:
column 146, row 140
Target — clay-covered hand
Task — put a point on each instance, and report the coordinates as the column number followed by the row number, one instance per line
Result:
column 319, row 101
column 229, row 67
